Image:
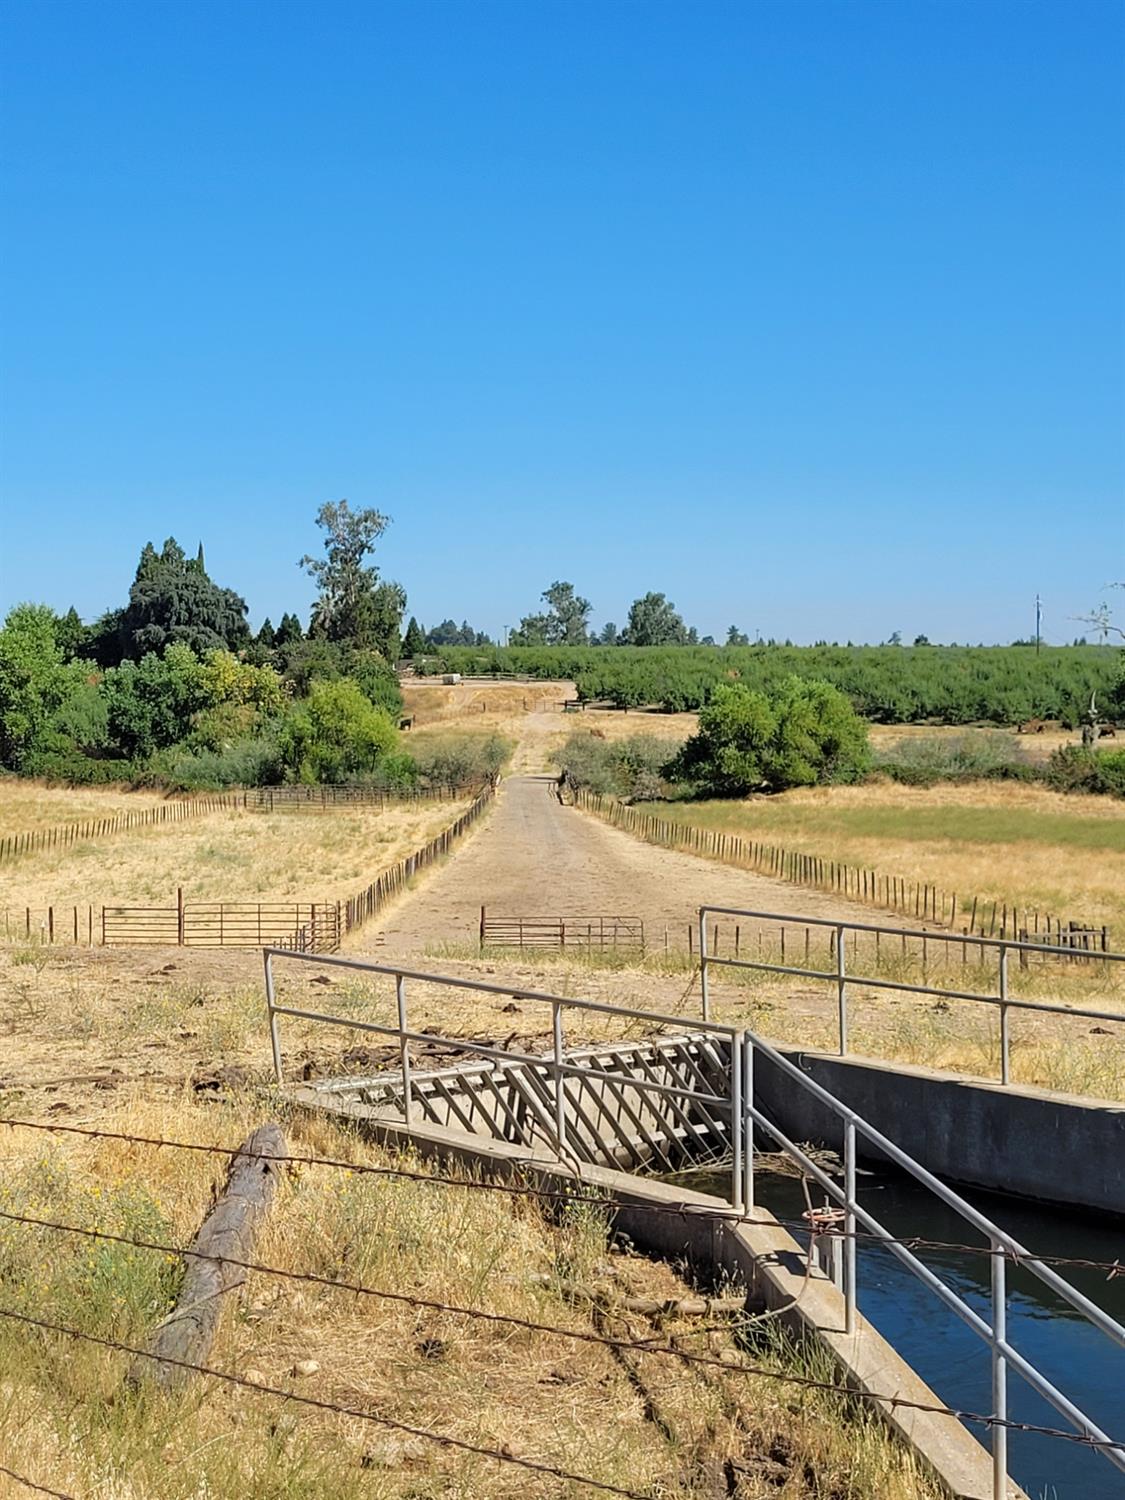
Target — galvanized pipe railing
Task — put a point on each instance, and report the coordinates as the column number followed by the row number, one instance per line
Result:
column 842, row 977
column 745, row 1048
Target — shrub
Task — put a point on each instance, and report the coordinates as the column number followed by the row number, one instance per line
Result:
column 460, row 760
column 968, row 757
column 336, row 734
column 75, row 768
column 804, row 734
column 630, row 768
column 1073, row 768
column 253, row 760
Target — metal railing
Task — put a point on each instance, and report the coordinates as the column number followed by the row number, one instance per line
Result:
column 841, row 977
column 746, row 1048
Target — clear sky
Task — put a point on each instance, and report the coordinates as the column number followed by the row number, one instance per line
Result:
column 811, row 316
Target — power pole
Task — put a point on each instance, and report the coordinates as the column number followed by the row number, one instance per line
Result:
column 1038, row 621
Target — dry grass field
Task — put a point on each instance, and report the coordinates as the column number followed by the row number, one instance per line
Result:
column 470, row 704
column 1012, row 843
column 29, row 805
column 146, row 1046
column 247, row 856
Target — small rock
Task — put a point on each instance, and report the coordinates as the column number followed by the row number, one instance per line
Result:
column 305, row 1367
column 511, row 1009
column 1100, row 1031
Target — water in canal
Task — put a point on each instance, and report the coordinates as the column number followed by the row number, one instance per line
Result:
column 1073, row 1355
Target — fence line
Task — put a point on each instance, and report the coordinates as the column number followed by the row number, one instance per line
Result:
column 918, row 899
column 597, row 1198
column 348, row 794
column 65, row 834
column 368, row 902
column 302, row 926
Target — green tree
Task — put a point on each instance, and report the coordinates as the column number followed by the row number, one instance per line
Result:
column 267, row 635
column 35, row 681
column 353, row 605
column 803, row 733
column 565, row 622
column 288, row 631
column 173, row 602
column 414, row 641
column 610, row 635
column 150, row 704
column 653, row 621
column 336, row 734
column 736, row 637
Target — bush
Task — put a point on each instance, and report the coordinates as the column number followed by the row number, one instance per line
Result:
column 336, row 734
column 253, row 760
column 1073, row 768
column 77, row 769
column 461, row 759
column 804, row 734
column 969, row 757
column 630, row 768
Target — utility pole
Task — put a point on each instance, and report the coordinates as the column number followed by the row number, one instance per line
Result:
column 1038, row 621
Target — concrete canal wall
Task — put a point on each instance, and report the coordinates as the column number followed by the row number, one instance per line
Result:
column 1057, row 1148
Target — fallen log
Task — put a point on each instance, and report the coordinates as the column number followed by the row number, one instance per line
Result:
column 227, row 1233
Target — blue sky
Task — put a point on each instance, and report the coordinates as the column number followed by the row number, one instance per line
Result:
column 811, row 316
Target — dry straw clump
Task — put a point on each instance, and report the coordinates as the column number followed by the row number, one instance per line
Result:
column 642, row 1421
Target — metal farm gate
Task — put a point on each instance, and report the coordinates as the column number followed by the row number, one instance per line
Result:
column 307, row 927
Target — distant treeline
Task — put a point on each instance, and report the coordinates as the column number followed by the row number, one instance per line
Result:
column 1000, row 685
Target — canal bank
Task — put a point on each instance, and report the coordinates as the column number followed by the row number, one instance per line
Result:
column 947, row 1355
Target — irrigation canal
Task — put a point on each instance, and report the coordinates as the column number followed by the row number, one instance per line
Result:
column 1081, row 1361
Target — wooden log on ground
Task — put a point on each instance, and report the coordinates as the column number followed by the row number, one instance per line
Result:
column 227, row 1233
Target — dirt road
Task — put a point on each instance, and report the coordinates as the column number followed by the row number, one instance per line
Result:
column 535, row 858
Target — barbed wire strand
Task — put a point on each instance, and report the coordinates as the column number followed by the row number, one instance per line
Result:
column 442, row 1439
column 33, row 1484
column 641, row 1347
column 1113, row 1268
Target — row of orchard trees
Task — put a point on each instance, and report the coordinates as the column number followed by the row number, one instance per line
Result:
column 1000, row 685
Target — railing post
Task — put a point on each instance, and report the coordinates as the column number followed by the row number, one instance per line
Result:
column 703, row 990
column 849, row 1245
column 275, row 1038
column 748, row 1125
column 404, row 1050
column 841, row 991
column 1004, row 1061
column 999, row 1372
column 560, row 1097
column 737, row 1114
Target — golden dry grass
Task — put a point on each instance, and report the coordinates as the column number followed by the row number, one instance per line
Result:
column 29, row 805
column 642, row 1421
column 247, row 856
column 1019, row 845
column 471, row 704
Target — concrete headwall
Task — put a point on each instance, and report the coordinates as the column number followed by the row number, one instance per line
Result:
column 1059, row 1148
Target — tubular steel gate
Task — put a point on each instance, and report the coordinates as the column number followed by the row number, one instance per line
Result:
column 562, row 932
column 310, row 926
column 559, row 1073
column 841, row 976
